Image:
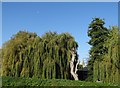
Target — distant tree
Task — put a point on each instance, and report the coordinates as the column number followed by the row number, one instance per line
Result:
column 83, row 63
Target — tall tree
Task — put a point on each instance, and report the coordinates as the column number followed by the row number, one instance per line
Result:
column 98, row 34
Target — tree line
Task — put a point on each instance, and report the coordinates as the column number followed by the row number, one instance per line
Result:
column 104, row 63
column 48, row 57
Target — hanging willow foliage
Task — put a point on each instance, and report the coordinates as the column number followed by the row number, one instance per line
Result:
column 109, row 70
column 112, row 61
column 28, row 55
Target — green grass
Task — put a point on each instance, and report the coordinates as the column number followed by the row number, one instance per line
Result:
column 19, row 81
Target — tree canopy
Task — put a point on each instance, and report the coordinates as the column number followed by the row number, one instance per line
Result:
column 28, row 55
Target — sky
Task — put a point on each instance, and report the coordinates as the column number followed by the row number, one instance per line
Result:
column 0, row 24
column 72, row 17
column 60, row 0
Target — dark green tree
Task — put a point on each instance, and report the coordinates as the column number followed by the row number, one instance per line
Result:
column 98, row 34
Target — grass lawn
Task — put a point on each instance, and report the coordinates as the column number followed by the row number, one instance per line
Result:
column 19, row 81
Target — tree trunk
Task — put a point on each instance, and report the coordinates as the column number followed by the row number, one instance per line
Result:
column 73, row 65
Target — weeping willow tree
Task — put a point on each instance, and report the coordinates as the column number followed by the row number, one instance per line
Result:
column 28, row 55
column 111, row 60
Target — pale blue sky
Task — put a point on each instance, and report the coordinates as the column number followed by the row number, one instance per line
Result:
column 60, row 17
column 0, row 24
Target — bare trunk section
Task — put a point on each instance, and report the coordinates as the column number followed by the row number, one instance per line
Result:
column 74, row 64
